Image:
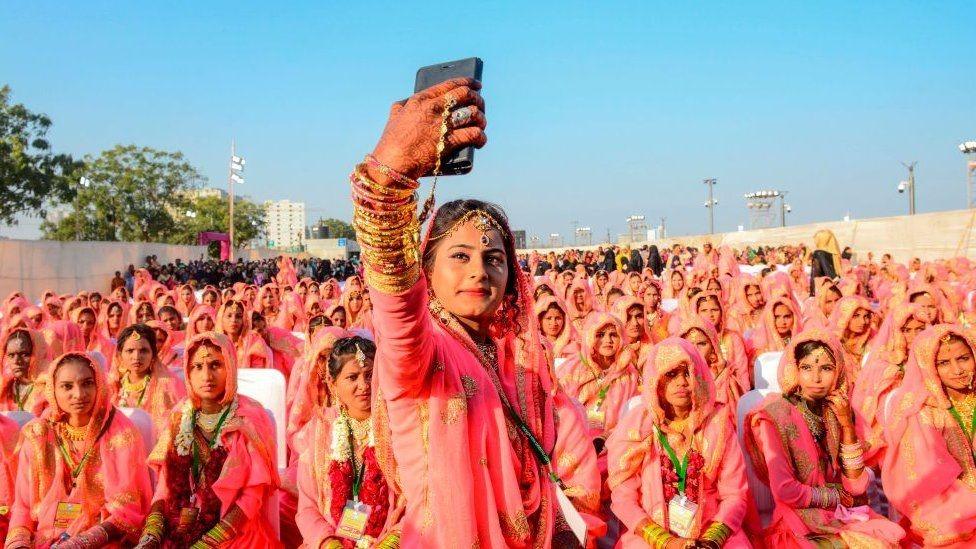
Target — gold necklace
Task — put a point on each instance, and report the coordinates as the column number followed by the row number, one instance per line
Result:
column 360, row 430
column 965, row 407
column 72, row 433
column 208, row 422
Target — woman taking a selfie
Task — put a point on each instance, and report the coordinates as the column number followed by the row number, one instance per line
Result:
column 79, row 480
column 215, row 460
column 463, row 382
column 803, row 445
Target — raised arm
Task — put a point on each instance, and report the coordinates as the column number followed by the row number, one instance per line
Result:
column 418, row 132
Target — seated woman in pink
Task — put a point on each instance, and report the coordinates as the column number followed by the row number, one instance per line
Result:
column 677, row 474
column 630, row 310
column 339, row 463
column 113, row 318
column 803, row 445
column 883, row 374
column 579, row 301
column 93, row 339
column 23, row 363
column 556, row 328
column 80, row 483
column 169, row 351
column 602, row 377
column 851, row 324
column 928, row 472
column 780, row 323
column 234, row 321
column 675, row 285
column 142, row 312
column 138, row 379
column 730, row 383
column 748, row 302
column 9, row 436
column 817, row 310
column 710, row 307
column 215, row 460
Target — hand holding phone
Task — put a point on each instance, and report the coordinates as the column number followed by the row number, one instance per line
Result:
column 409, row 141
column 460, row 161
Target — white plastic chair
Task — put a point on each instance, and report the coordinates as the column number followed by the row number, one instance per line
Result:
column 267, row 386
column 20, row 416
column 143, row 423
column 632, row 404
column 299, row 335
column 764, row 374
column 669, row 304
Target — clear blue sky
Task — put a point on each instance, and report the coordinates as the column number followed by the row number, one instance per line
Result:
column 596, row 111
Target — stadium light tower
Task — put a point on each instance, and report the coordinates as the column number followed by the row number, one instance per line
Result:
column 711, row 204
column 762, row 212
column 969, row 149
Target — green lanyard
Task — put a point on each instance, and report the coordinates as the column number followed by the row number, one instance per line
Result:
column 212, row 444
column 78, row 467
column 680, row 467
column 968, row 432
column 357, row 475
column 23, row 400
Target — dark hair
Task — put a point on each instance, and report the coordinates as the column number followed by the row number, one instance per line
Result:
column 167, row 309
column 804, row 350
column 448, row 214
column 144, row 332
column 614, row 290
column 24, row 337
column 345, row 348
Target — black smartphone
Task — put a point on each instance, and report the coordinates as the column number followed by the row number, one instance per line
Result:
column 460, row 161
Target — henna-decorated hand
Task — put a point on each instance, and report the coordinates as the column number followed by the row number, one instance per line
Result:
column 409, row 141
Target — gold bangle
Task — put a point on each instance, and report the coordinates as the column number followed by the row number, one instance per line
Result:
column 391, row 541
column 718, row 533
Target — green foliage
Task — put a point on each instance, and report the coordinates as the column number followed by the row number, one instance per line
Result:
column 338, row 228
column 135, row 195
column 30, row 173
column 212, row 214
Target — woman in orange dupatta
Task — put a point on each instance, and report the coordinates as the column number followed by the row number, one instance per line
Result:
column 745, row 314
column 928, row 472
column 215, row 460
column 678, row 417
column 579, row 301
column 357, row 316
column 142, row 312
column 62, row 336
column 9, row 436
column 675, row 283
column 602, row 377
column 882, row 375
column 336, row 313
column 709, row 306
column 817, row 311
column 803, row 445
column 656, row 318
column 23, row 363
column 730, row 383
column 340, row 464
column 186, row 300
column 780, row 323
column 80, row 483
column 851, row 324
column 203, row 319
column 555, row 327
column 138, row 379
column 234, row 321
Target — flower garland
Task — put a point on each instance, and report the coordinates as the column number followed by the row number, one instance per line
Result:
column 669, row 476
column 373, row 491
column 188, row 420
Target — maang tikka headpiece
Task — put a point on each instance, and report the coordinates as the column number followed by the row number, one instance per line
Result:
column 483, row 222
column 360, row 356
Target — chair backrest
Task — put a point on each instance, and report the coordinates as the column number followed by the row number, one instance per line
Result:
column 267, row 386
column 634, row 402
column 143, row 423
column 20, row 416
column 299, row 335
column 669, row 304
column 767, row 366
column 760, row 492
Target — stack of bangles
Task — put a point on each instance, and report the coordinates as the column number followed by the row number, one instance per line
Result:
column 824, row 497
column 223, row 531
column 385, row 219
column 852, row 456
column 655, row 535
column 154, row 526
column 391, row 541
column 716, row 534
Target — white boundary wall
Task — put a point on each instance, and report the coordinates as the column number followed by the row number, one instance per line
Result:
column 926, row 236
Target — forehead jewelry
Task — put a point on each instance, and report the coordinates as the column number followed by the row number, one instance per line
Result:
column 821, row 352
column 947, row 338
column 360, row 356
column 136, row 336
column 205, row 352
column 483, row 222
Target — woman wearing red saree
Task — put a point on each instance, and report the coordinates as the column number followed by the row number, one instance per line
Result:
column 138, row 378
column 461, row 375
column 730, row 383
column 780, row 323
column 851, row 323
column 928, row 472
column 602, row 377
column 234, row 321
column 215, row 460
column 804, row 446
column 79, row 483
column 339, row 464
column 678, row 417
column 24, row 360
column 555, row 327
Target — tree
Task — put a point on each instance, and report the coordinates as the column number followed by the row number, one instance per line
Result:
column 210, row 213
column 133, row 194
column 30, row 173
column 338, row 228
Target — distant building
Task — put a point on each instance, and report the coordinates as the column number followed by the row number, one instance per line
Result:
column 519, row 235
column 284, row 224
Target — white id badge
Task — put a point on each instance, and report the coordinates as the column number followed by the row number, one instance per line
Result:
column 572, row 516
column 352, row 524
column 596, row 418
column 681, row 515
